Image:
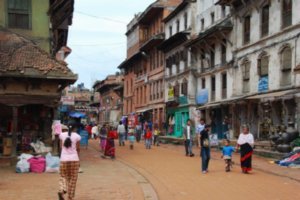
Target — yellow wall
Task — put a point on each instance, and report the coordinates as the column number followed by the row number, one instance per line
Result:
column 40, row 21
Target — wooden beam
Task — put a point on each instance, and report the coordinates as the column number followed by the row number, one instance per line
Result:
column 224, row 36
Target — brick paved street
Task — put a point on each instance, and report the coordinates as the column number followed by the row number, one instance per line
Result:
column 172, row 176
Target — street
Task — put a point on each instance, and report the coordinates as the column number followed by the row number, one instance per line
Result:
column 159, row 173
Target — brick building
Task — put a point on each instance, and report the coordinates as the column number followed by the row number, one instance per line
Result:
column 144, row 66
column 111, row 99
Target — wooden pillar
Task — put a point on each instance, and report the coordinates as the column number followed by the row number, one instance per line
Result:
column 14, row 130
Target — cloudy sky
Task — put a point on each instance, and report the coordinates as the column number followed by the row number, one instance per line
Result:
column 97, row 36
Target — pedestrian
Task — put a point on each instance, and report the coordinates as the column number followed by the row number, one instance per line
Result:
column 121, row 132
column 69, row 162
column 227, row 154
column 203, row 143
column 148, row 138
column 246, row 143
column 156, row 136
column 88, row 128
column 95, row 131
column 131, row 139
column 188, row 138
column 225, row 128
column 103, row 137
column 110, row 150
column 200, row 126
column 138, row 131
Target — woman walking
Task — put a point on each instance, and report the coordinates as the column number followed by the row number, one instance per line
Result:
column 69, row 162
column 246, row 142
column 103, row 137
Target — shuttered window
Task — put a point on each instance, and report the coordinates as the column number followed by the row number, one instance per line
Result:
column 286, row 57
column 19, row 14
column 246, row 71
column 247, row 29
column 286, row 13
column 265, row 21
column 184, row 87
column 263, row 65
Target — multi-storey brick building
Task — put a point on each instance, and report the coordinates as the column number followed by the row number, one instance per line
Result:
column 144, row 66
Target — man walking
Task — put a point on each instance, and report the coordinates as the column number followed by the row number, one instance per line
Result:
column 188, row 140
column 121, row 132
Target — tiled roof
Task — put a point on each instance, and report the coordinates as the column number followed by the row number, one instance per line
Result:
column 20, row 56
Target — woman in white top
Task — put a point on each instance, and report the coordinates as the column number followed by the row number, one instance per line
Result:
column 69, row 162
column 246, row 143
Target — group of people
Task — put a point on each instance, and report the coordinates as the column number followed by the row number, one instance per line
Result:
column 70, row 148
column 244, row 144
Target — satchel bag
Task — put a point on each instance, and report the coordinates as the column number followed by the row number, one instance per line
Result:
column 205, row 143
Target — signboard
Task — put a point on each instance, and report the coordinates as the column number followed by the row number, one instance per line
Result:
column 263, row 84
column 202, row 97
column 171, row 93
column 68, row 100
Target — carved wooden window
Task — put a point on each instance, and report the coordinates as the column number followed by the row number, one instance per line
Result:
column 247, row 27
column 184, row 87
column 19, row 14
column 263, row 65
column 286, row 13
column 176, row 90
column 265, row 21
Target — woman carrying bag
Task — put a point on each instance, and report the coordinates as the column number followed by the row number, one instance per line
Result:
column 69, row 162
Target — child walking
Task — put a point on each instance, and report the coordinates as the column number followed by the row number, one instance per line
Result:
column 156, row 136
column 227, row 155
column 148, row 138
column 131, row 138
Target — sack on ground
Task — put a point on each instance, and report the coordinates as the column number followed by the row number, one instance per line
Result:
column 37, row 164
column 23, row 165
column 52, row 163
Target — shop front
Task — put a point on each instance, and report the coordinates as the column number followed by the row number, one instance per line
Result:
column 177, row 118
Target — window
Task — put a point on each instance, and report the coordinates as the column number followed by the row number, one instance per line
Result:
column 212, row 17
column 224, row 86
column 185, row 21
column 161, row 89
column 223, row 51
column 19, row 14
column 213, row 88
column 202, row 24
column 170, row 31
column 184, row 87
column 212, row 56
column 265, row 21
column 203, row 83
column 176, row 90
column 246, row 71
column 177, row 26
column 223, row 11
column 286, row 13
column 247, row 29
column 263, row 65
column 286, row 66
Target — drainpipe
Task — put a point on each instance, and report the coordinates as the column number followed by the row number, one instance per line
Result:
column 297, row 97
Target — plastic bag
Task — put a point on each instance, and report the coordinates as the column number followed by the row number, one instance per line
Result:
column 52, row 163
column 23, row 165
column 213, row 139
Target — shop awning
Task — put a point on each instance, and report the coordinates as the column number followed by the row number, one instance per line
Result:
column 143, row 110
column 77, row 114
column 273, row 94
column 219, row 103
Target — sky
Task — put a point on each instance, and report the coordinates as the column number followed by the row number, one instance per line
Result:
column 97, row 37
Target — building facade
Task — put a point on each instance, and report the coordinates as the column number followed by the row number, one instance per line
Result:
column 144, row 66
column 265, row 48
column 111, row 99
column 179, row 79
column 31, row 78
